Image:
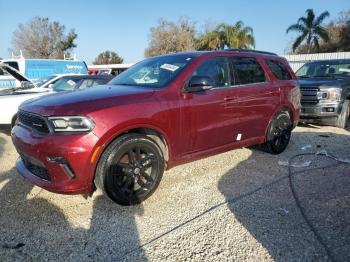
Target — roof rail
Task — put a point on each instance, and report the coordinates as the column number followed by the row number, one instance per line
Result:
column 250, row 51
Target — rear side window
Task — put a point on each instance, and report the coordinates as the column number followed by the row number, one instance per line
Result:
column 247, row 70
column 279, row 70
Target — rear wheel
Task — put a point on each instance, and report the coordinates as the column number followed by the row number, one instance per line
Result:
column 278, row 134
column 344, row 115
column 130, row 169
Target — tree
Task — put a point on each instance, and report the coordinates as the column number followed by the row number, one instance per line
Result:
column 238, row 35
column 226, row 35
column 168, row 37
column 108, row 57
column 310, row 29
column 339, row 34
column 212, row 40
column 40, row 38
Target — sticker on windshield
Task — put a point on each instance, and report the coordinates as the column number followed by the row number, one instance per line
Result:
column 71, row 82
column 169, row 67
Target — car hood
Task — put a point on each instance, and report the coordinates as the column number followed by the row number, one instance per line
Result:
column 87, row 100
column 317, row 82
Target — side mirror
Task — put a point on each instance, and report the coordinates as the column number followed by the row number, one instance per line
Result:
column 50, row 86
column 199, row 83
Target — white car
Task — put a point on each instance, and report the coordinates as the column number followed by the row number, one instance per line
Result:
column 12, row 97
column 48, row 81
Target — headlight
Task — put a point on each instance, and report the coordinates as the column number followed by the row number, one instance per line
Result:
column 71, row 124
column 331, row 94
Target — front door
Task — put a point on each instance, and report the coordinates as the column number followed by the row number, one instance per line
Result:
column 206, row 115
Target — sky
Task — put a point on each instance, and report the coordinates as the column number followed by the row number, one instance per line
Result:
column 124, row 26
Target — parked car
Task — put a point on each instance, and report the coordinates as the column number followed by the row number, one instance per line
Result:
column 110, row 69
column 74, row 82
column 121, row 137
column 325, row 89
column 11, row 98
column 48, row 81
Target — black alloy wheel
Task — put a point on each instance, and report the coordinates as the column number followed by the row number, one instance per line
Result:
column 279, row 133
column 131, row 169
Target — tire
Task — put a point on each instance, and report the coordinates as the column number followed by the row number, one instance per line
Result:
column 278, row 134
column 344, row 115
column 14, row 120
column 130, row 169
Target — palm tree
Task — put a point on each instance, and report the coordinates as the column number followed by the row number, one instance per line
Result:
column 310, row 29
column 213, row 40
column 238, row 35
column 226, row 35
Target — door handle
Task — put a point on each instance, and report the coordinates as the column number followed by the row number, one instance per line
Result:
column 230, row 98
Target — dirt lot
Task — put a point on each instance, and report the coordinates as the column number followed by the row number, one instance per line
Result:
column 234, row 206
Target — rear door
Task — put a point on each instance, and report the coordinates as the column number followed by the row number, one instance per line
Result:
column 254, row 96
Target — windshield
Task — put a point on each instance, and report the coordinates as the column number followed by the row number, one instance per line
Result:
column 44, row 80
column 324, row 69
column 65, row 84
column 153, row 72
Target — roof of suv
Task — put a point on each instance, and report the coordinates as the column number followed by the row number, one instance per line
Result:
column 232, row 50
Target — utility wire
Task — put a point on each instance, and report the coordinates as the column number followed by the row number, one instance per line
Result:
column 242, row 196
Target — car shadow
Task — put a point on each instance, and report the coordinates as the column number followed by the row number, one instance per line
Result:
column 5, row 129
column 263, row 203
column 35, row 225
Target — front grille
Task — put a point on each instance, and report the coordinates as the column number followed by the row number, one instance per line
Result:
column 35, row 122
column 309, row 95
column 36, row 170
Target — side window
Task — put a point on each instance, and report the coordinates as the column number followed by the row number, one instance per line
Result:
column 99, row 82
column 86, row 83
column 247, row 71
column 278, row 69
column 217, row 69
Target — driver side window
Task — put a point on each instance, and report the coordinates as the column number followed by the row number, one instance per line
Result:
column 217, row 69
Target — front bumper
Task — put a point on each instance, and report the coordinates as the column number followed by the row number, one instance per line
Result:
column 37, row 154
column 322, row 112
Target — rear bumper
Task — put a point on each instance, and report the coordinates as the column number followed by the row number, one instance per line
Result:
column 36, row 162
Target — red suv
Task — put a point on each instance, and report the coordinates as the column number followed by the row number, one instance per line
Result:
column 162, row 112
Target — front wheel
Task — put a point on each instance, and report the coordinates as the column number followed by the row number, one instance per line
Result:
column 278, row 134
column 130, row 169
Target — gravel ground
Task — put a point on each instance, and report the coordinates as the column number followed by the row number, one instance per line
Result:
column 236, row 206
